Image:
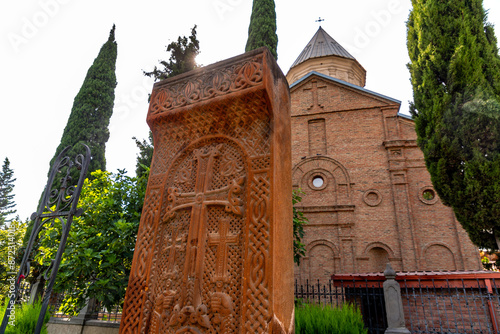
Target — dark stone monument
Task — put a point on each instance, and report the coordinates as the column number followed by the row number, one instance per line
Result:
column 214, row 248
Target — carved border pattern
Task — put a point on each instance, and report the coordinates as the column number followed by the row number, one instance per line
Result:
column 136, row 291
column 207, row 86
column 257, row 314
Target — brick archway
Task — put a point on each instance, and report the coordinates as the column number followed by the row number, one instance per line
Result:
column 337, row 183
column 439, row 256
column 323, row 260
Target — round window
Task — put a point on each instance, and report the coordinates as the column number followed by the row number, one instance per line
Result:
column 428, row 194
column 318, row 181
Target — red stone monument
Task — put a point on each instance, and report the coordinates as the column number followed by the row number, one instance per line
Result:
column 214, row 247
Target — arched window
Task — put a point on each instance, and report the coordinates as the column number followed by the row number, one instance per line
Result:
column 378, row 259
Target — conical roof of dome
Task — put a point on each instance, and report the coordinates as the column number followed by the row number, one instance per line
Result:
column 322, row 45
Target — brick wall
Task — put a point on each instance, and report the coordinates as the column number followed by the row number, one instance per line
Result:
column 375, row 202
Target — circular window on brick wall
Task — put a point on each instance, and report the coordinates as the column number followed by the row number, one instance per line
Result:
column 428, row 195
column 372, row 197
column 317, row 181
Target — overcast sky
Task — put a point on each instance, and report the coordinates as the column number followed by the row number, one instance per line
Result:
column 47, row 47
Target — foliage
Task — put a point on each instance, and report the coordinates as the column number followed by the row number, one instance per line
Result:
column 490, row 260
column 317, row 319
column 24, row 318
column 11, row 237
column 6, row 196
column 182, row 58
column 145, row 155
column 262, row 28
column 98, row 256
column 89, row 120
column 455, row 73
column 92, row 109
column 299, row 220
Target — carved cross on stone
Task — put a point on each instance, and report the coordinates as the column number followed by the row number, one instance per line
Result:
column 315, row 106
column 222, row 240
column 198, row 202
column 175, row 243
column 222, row 151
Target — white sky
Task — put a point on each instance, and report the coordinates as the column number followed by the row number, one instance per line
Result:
column 47, row 46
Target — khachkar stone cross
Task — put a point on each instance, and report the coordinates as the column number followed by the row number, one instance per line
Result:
column 213, row 251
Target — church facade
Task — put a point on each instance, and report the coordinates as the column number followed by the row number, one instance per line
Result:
column 366, row 191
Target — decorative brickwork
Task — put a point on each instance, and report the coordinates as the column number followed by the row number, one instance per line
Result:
column 374, row 202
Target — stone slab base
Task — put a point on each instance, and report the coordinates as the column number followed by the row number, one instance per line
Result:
column 90, row 327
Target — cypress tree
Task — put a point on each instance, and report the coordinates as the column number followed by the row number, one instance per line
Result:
column 6, row 196
column 92, row 108
column 262, row 28
column 89, row 118
column 455, row 74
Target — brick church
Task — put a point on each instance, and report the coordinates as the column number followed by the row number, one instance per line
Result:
column 367, row 193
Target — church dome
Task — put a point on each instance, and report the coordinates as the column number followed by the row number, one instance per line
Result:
column 325, row 55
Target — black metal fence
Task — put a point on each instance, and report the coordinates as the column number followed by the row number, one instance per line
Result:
column 368, row 297
column 464, row 304
column 93, row 311
column 451, row 306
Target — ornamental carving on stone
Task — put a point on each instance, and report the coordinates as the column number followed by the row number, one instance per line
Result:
column 201, row 233
column 207, row 86
column 203, row 261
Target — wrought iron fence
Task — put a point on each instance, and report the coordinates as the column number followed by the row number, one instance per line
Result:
column 451, row 306
column 110, row 315
column 460, row 304
column 368, row 297
column 93, row 311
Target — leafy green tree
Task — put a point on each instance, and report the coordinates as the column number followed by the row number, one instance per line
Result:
column 7, row 203
column 455, row 73
column 299, row 220
column 182, row 58
column 98, row 255
column 262, row 28
column 92, row 109
column 145, row 155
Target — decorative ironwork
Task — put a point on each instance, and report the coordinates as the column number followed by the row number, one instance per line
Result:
column 57, row 206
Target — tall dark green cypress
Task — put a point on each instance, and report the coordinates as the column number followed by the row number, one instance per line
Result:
column 455, row 73
column 262, row 28
column 92, row 108
column 7, row 204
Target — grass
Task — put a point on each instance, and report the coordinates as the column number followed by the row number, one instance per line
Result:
column 317, row 319
column 25, row 319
